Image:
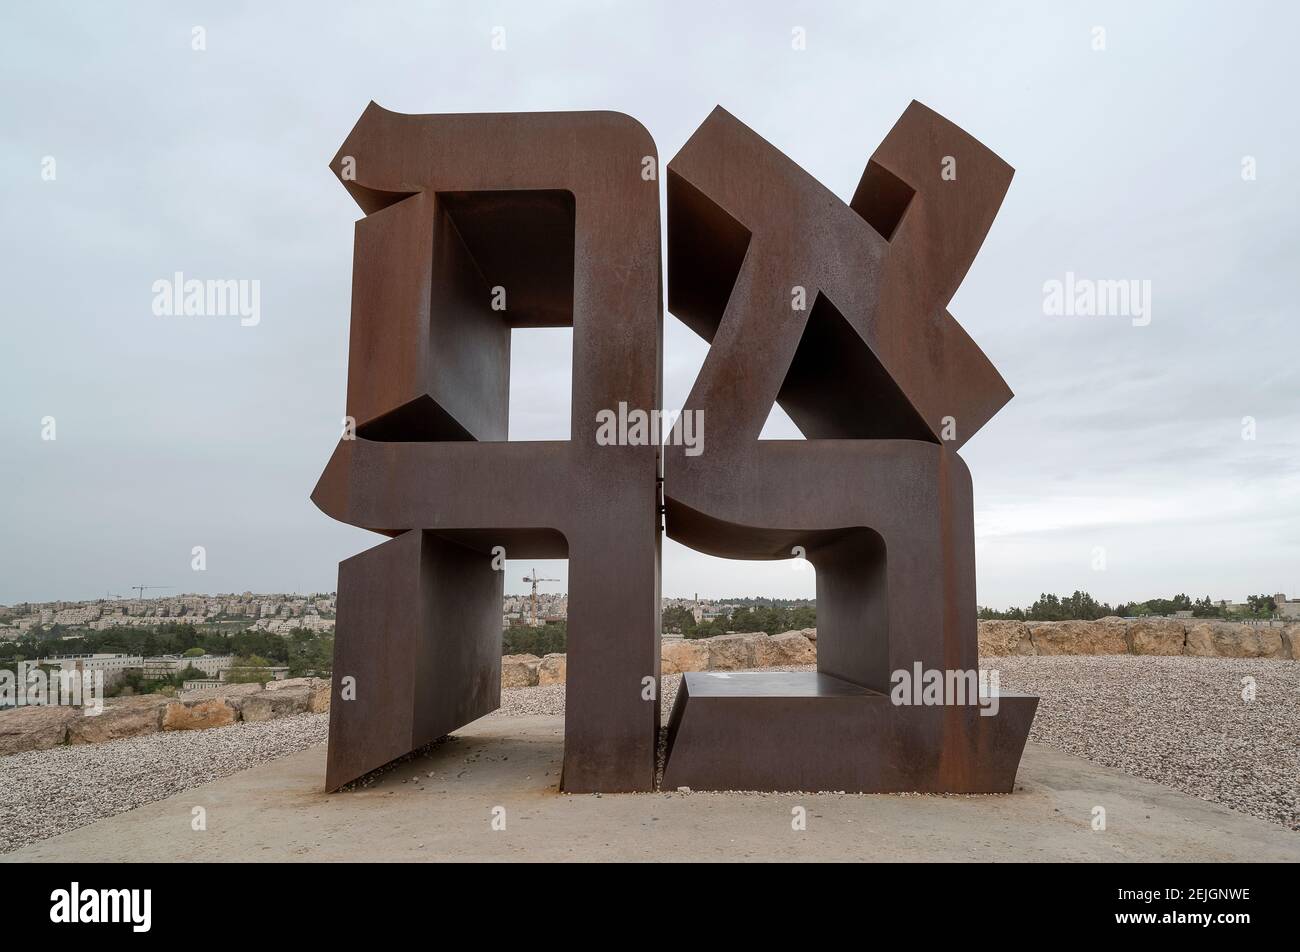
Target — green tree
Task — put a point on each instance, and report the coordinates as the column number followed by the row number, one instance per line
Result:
column 1261, row 606
column 545, row 639
column 992, row 614
column 1079, row 606
column 248, row 670
column 310, row 653
column 678, row 619
column 1204, row 608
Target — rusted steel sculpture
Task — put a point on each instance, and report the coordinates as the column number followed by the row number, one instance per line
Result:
column 549, row 213
column 554, row 216
column 886, row 387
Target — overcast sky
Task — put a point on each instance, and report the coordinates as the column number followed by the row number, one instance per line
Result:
column 173, row 432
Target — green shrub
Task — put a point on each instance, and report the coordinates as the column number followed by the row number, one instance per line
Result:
column 547, row 639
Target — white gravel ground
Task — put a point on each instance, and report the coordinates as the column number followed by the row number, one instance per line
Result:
column 1182, row 722
column 1178, row 721
column 47, row 792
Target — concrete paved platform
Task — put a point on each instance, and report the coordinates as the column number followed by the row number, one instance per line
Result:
column 277, row 812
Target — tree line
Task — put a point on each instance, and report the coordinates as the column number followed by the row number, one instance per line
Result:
column 771, row 618
column 1081, row 606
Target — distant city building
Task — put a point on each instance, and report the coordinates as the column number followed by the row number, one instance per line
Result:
column 200, row 684
column 281, row 614
column 165, row 666
column 273, row 673
column 1287, row 608
column 1283, row 608
column 278, row 613
column 113, row 667
column 107, row 663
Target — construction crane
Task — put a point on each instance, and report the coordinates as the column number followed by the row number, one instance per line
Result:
column 534, row 579
column 140, row 589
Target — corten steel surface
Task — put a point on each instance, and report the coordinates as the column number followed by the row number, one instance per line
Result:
column 886, row 386
column 552, row 208
column 440, row 618
column 823, row 733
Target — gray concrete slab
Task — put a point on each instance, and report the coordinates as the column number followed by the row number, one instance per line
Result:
column 277, row 811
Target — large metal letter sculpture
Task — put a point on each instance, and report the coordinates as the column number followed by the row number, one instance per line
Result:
column 886, row 387
column 837, row 313
column 548, row 214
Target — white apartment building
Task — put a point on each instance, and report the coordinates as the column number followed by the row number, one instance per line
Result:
column 112, row 666
column 165, row 666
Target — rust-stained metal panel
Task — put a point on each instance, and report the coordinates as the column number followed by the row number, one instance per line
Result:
column 838, row 313
column 549, row 214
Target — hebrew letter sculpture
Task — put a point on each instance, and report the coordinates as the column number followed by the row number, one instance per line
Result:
column 886, row 387
column 838, row 313
column 548, row 212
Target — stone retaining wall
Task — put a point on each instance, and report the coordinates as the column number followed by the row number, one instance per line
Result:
column 1156, row 636
column 1194, row 637
column 41, row 727
column 721, row 653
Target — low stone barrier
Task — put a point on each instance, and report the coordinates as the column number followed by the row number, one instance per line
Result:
column 1193, row 637
column 733, row 652
column 720, row 653
column 41, row 727
column 1113, row 635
